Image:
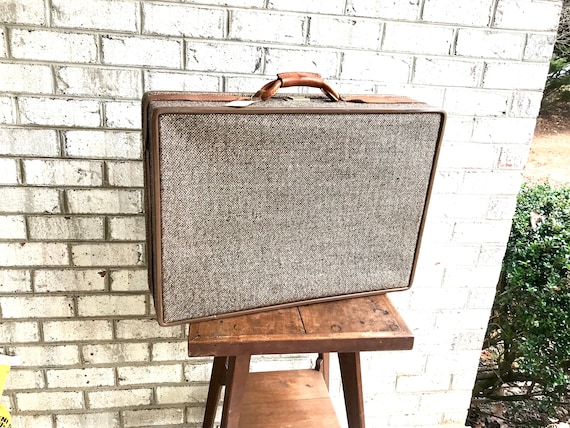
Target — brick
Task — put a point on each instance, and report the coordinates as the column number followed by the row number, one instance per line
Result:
column 18, row 12
column 481, row 298
column 150, row 374
column 59, row 112
column 447, row 72
column 491, row 182
column 103, row 144
column 165, row 81
column 525, row 104
column 469, row 340
column 465, row 319
column 153, row 417
column 63, row 172
column 391, row 9
column 28, row 142
column 471, row 277
column 108, row 254
column 146, row 52
column 501, row 208
column 80, row 378
column 119, row 398
column 195, row 415
column 19, row 332
column 445, row 401
column 471, row 14
column 36, row 307
column 459, row 128
column 437, row 231
column 458, row 254
column 480, row 43
column 125, row 174
column 120, row 114
column 437, row 298
column 89, row 306
column 527, row 15
column 247, row 84
column 25, row 379
column 3, row 46
column 496, row 231
column 513, row 157
column 464, row 381
column 6, row 111
column 414, row 420
column 31, row 421
column 14, row 281
column 98, row 82
column 68, row 280
column 181, row 394
column 491, row 254
column 12, row 226
column 66, row 228
column 223, row 57
column 423, row 384
column 107, row 420
column 46, row 401
column 503, row 130
column 127, row 228
column 539, row 47
column 469, row 155
column 26, row 78
column 383, row 404
column 426, row 39
column 8, row 171
column 29, row 200
column 348, row 32
column 129, row 280
column 267, row 27
column 318, row 61
column 368, row 65
column 198, row 372
column 183, row 20
column 104, row 201
column 97, row 15
column 239, row 3
column 145, row 329
column 476, row 102
column 170, row 351
column 53, row 46
column 447, row 181
column 333, row 7
column 116, row 353
column 84, row 330
column 48, row 355
column 522, row 76
column 32, row 254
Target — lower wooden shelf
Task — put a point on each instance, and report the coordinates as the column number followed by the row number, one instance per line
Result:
column 282, row 399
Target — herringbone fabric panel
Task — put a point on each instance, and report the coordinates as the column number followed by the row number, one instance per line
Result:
column 264, row 209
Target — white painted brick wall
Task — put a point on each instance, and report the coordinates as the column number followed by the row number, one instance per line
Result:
column 73, row 287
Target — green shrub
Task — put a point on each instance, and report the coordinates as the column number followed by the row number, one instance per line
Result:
column 529, row 330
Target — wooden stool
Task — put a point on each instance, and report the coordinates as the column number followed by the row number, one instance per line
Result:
column 295, row 398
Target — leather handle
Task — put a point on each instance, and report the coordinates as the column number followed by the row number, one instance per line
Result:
column 285, row 80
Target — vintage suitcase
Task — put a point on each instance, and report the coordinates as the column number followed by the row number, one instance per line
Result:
column 264, row 201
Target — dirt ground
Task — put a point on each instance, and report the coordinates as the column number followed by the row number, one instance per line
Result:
column 549, row 158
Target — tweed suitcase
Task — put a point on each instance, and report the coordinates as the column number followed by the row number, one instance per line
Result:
column 266, row 201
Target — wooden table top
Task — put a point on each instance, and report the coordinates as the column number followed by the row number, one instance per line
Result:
column 349, row 325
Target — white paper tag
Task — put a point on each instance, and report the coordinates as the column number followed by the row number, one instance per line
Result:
column 240, row 103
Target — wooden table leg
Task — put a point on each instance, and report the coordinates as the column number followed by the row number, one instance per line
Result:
column 322, row 365
column 236, row 376
column 352, row 387
column 217, row 380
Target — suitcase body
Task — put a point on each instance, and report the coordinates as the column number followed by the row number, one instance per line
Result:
column 282, row 201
